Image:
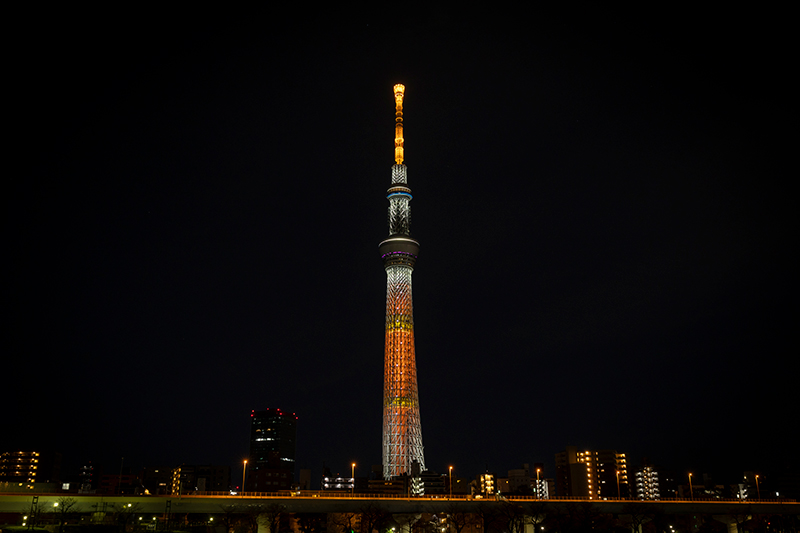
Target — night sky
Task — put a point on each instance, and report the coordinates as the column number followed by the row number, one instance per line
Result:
column 196, row 201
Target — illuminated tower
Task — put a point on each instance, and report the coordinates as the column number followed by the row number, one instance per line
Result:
column 402, row 431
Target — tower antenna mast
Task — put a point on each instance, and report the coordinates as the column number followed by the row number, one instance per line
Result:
column 399, row 91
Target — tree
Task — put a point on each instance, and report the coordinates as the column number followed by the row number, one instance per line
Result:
column 590, row 517
column 536, row 513
column 640, row 513
column 410, row 521
column 250, row 518
column 64, row 509
column 457, row 520
column 577, row 517
column 124, row 513
column 271, row 516
column 486, row 516
column 373, row 517
column 513, row 515
column 310, row 522
column 343, row 522
column 230, row 516
column 740, row 514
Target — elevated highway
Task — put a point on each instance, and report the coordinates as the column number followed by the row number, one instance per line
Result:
column 316, row 502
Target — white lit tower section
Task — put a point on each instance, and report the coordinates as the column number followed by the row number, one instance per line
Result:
column 402, row 431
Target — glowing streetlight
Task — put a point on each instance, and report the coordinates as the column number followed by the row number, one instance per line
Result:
column 244, row 472
column 353, row 478
column 758, row 489
column 691, row 492
column 618, row 493
column 451, row 482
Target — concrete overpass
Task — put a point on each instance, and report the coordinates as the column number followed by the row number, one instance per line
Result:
column 207, row 505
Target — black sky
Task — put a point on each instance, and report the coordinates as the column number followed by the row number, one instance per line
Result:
column 197, row 200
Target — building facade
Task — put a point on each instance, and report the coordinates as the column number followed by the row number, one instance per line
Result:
column 598, row 475
column 645, row 483
column 271, row 466
column 541, row 488
column 485, row 485
column 24, row 468
column 188, row 479
column 518, row 481
column 157, row 480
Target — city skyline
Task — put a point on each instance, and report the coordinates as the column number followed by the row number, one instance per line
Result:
column 605, row 237
column 598, row 475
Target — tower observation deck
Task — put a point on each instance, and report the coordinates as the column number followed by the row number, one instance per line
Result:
column 402, row 431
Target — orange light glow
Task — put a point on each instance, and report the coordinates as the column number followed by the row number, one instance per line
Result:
column 399, row 90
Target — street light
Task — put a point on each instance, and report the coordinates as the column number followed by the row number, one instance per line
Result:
column 619, row 496
column 538, row 491
column 244, row 472
column 353, row 478
column 758, row 489
column 691, row 492
column 451, row 482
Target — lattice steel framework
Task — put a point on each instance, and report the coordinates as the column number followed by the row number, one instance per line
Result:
column 402, row 430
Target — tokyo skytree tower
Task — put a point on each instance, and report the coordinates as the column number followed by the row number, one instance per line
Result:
column 402, row 431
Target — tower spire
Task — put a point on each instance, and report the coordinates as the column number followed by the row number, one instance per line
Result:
column 402, row 431
column 399, row 91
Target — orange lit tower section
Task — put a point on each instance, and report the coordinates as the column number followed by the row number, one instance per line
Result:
column 402, row 431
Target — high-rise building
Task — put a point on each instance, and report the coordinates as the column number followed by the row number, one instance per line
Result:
column 24, row 468
column 19, row 466
column 645, row 481
column 338, row 482
column 486, row 484
column 432, row 483
column 541, row 486
column 402, row 430
column 86, row 478
column 124, row 481
column 272, row 450
column 188, row 479
column 598, row 475
column 157, row 480
column 519, row 480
